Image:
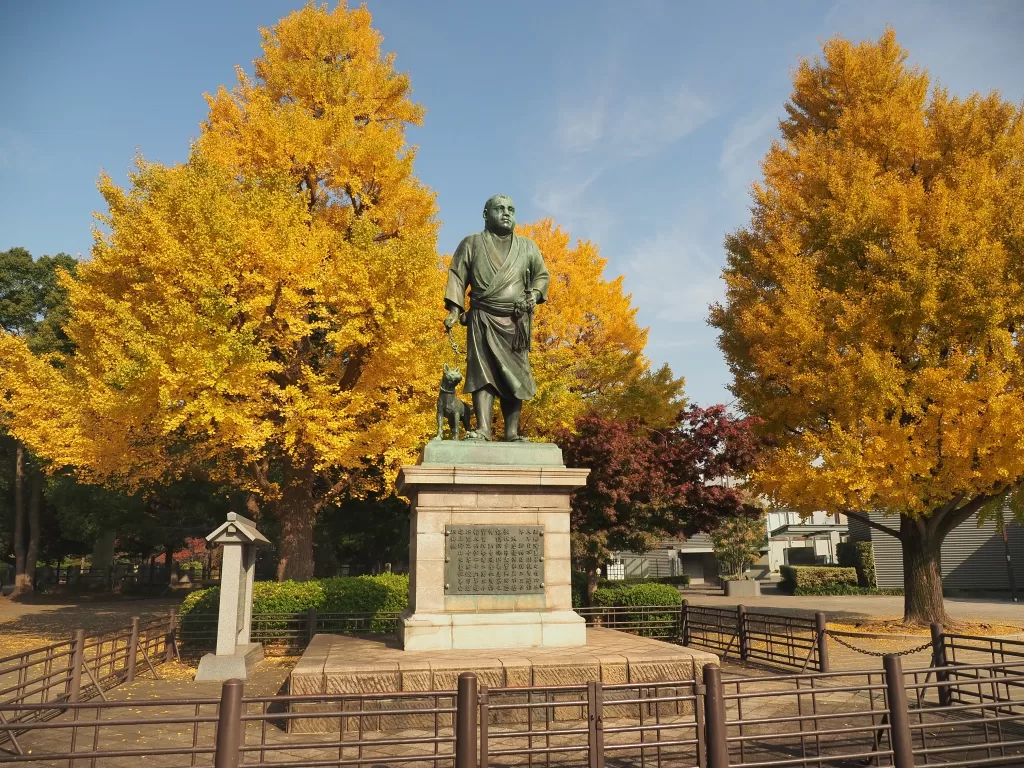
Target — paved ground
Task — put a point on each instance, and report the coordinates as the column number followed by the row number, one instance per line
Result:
column 58, row 618
column 861, row 607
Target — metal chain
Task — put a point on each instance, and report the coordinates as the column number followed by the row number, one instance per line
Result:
column 451, row 340
column 880, row 654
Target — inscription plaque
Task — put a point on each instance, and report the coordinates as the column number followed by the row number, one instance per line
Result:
column 493, row 559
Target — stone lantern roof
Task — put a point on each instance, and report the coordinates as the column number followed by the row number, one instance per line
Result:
column 237, row 530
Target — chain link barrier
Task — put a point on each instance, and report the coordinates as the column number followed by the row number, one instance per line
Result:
column 879, row 654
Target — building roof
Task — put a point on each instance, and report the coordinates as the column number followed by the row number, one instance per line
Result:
column 810, row 530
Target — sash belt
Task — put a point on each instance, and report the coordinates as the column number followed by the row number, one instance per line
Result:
column 522, row 320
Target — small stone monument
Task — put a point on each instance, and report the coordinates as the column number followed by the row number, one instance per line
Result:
column 235, row 654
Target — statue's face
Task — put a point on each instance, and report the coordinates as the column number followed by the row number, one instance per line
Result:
column 500, row 215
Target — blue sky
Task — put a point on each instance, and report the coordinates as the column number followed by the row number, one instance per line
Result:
column 636, row 124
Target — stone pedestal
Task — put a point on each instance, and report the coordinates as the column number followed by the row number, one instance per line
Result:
column 463, row 483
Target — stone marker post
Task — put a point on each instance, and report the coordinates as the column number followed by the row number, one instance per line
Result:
column 235, row 652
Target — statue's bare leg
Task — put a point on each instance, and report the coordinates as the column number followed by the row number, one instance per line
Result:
column 511, row 409
column 483, row 406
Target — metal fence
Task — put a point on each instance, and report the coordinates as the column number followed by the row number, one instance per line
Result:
column 768, row 638
column 956, row 715
column 40, row 683
column 283, row 632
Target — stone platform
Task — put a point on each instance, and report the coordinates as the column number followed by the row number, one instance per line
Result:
column 336, row 664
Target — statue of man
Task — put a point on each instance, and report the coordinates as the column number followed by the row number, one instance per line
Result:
column 507, row 279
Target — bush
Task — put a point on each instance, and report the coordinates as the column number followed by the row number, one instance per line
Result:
column 649, row 594
column 859, row 555
column 607, row 596
column 682, row 578
column 579, row 589
column 384, row 593
column 811, row 579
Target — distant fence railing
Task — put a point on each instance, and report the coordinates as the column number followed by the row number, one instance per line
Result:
column 773, row 639
column 888, row 717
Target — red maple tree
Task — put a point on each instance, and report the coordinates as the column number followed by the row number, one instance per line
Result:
column 647, row 484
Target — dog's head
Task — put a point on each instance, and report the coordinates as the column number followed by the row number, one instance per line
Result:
column 452, row 376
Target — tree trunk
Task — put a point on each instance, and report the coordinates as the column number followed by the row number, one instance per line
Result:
column 21, row 583
column 296, row 515
column 592, row 574
column 172, row 572
column 922, row 573
column 35, row 502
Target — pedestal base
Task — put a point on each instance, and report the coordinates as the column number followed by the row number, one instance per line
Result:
column 369, row 663
column 480, row 631
column 214, row 668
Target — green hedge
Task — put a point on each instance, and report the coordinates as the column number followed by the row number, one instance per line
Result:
column 846, row 589
column 812, row 579
column 384, row 593
column 579, row 587
column 859, row 555
column 648, row 593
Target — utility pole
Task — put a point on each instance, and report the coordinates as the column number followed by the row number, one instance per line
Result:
column 1006, row 549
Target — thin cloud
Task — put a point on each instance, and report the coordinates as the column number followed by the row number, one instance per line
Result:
column 743, row 148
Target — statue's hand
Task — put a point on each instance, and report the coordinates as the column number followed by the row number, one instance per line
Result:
column 531, row 300
column 451, row 320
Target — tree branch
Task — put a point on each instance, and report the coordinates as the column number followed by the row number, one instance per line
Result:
column 868, row 521
column 259, row 473
column 333, row 491
column 958, row 516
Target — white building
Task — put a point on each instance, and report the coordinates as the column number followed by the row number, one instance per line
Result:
column 795, row 540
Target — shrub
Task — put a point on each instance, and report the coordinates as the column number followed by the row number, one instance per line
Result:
column 607, row 596
column 811, row 579
column 384, row 593
column 651, row 593
column 859, row 555
column 682, row 578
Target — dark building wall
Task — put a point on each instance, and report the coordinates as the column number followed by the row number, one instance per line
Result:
column 973, row 556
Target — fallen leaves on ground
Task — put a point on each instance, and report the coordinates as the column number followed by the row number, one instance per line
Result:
column 895, row 626
column 12, row 644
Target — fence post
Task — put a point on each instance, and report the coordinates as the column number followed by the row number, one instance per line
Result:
column 939, row 660
column 465, row 722
column 310, row 625
column 133, row 650
column 684, row 619
column 899, row 714
column 77, row 662
column 485, row 719
column 229, row 726
column 821, row 637
column 171, row 639
column 595, row 725
column 714, row 717
column 741, row 632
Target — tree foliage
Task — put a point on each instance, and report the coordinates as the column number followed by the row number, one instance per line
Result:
column 647, row 484
column 738, row 541
column 588, row 348
column 874, row 303
column 265, row 314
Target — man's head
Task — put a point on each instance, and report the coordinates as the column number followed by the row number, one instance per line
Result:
column 500, row 215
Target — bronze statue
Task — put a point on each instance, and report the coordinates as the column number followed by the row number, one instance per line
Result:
column 507, row 280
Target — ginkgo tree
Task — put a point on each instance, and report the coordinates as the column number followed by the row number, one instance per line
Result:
column 265, row 314
column 875, row 303
column 588, row 349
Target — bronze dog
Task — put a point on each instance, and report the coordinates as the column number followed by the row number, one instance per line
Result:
column 449, row 406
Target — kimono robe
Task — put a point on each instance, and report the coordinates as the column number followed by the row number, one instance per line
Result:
column 497, row 353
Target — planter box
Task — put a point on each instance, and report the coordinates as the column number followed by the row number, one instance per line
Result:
column 742, row 588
